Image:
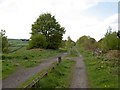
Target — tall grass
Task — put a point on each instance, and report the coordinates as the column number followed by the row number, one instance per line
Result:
column 60, row 77
column 102, row 72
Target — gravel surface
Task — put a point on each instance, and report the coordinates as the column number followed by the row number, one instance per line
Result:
column 79, row 75
column 22, row 75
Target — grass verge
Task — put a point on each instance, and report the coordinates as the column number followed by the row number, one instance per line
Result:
column 36, row 76
column 60, row 77
column 102, row 72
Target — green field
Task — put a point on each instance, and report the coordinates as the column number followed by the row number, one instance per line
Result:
column 101, row 72
column 24, row 58
column 16, row 44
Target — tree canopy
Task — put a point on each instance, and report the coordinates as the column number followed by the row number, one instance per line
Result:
column 86, row 42
column 110, row 41
column 69, row 43
column 47, row 25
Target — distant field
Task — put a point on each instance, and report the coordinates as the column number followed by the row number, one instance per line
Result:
column 23, row 58
column 16, row 44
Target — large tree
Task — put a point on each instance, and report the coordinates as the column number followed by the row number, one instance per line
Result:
column 47, row 25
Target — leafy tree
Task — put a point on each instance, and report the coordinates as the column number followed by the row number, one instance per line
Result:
column 47, row 25
column 69, row 45
column 3, row 41
column 110, row 41
column 86, row 42
column 38, row 41
column 63, row 44
column 102, row 45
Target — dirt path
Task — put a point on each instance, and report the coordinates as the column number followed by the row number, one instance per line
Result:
column 22, row 75
column 79, row 76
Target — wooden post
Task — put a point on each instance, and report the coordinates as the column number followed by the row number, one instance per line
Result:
column 58, row 60
column 46, row 73
column 53, row 67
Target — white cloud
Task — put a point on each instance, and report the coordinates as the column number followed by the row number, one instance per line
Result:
column 16, row 17
column 93, row 27
column 112, row 19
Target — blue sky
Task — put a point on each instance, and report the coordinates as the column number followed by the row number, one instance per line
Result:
column 79, row 17
column 102, row 10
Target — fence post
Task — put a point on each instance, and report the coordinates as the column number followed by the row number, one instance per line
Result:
column 59, row 60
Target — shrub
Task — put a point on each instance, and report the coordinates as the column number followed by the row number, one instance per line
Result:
column 38, row 41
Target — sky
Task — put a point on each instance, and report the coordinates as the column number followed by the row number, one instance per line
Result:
column 79, row 17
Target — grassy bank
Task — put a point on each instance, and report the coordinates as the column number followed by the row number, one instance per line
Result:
column 60, row 77
column 102, row 72
column 24, row 58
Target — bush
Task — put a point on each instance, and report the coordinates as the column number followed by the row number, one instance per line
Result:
column 38, row 41
column 3, row 42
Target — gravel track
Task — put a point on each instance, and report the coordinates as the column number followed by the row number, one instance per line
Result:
column 22, row 75
column 79, row 75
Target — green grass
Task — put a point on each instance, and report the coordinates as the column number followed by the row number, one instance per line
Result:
column 60, row 77
column 15, row 44
column 102, row 73
column 7, row 68
column 24, row 58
